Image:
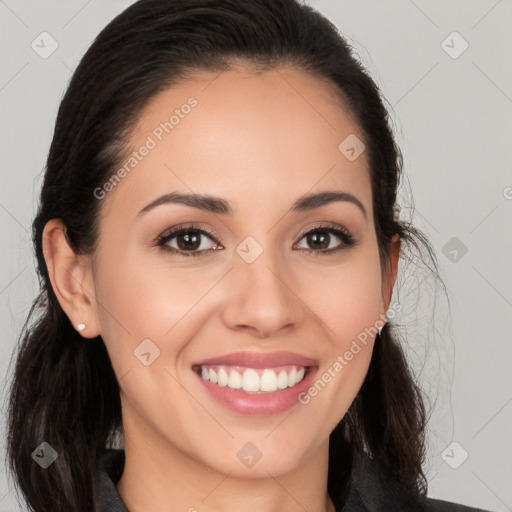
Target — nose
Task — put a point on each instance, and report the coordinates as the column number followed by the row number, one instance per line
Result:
column 261, row 297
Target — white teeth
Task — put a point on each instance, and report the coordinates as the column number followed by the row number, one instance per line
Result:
column 222, row 377
column 213, row 376
column 292, row 377
column 251, row 381
column 235, row 380
column 282, row 380
column 268, row 381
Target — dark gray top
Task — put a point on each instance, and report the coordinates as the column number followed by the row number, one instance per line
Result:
column 370, row 489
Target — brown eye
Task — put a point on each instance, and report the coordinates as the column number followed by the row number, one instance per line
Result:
column 187, row 240
column 322, row 240
column 318, row 240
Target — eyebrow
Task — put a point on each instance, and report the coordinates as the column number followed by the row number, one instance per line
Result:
column 221, row 206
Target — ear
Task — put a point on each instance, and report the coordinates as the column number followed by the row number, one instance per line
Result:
column 388, row 279
column 71, row 278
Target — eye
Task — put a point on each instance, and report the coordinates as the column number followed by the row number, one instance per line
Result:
column 321, row 238
column 188, row 241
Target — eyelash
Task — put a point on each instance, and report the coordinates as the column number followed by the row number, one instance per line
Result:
column 347, row 239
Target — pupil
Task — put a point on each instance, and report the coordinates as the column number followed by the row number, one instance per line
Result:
column 323, row 238
column 189, row 241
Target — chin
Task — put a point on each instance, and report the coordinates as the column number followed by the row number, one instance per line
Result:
column 254, row 459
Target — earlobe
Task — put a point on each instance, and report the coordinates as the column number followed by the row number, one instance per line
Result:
column 70, row 277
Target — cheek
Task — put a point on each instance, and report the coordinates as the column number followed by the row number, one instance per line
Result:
column 348, row 303
column 138, row 300
column 145, row 298
column 346, row 297
column 143, row 292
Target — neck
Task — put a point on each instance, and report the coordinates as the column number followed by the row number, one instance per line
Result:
column 170, row 480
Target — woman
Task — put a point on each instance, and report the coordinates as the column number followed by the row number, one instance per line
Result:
column 218, row 241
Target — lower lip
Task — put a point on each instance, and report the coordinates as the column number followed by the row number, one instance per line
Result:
column 261, row 404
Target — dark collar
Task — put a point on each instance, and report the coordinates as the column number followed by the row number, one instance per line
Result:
column 370, row 489
column 111, row 468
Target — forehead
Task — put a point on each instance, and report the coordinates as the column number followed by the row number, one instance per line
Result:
column 241, row 133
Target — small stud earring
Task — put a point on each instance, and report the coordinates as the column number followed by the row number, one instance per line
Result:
column 80, row 327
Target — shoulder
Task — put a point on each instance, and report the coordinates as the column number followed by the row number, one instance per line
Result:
column 433, row 505
column 373, row 489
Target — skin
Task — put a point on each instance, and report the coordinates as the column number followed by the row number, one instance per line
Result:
column 260, row 141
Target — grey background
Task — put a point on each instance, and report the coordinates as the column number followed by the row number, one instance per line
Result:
column 453, row 123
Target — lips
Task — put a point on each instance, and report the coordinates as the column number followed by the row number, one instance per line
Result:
column 256, row 383
column 259, row 360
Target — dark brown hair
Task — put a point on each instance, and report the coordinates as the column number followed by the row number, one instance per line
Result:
column 64, row 390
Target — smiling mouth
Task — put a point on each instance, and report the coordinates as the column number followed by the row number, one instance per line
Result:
column 253, row 380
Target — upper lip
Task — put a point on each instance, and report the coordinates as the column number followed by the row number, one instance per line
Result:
column 259, row 359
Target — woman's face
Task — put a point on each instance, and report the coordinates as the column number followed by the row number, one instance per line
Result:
column 258, row 143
